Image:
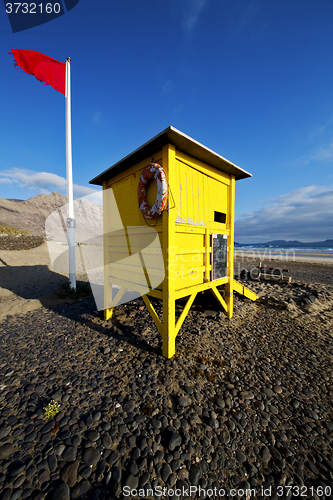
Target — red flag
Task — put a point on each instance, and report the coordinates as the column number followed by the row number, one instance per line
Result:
column 43, row 67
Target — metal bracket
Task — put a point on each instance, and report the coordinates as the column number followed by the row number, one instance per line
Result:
column 70, row 223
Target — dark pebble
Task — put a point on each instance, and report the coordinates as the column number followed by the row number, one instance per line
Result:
column 175, row 440
column 69, row 455
column 91, row 456
column 195, row 474
column 240, row 457
column 93, row 436
column 61, row 492
column 183, row 401
column 30, row 437
column 129, row 406
column 107, row 441
column 80, row 490
column 166, row 471
column 132, row 482
column 69, row 473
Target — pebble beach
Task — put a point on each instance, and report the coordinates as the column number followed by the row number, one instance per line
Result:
column 243, row 410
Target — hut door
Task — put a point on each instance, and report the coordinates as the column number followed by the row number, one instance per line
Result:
column 219, row 256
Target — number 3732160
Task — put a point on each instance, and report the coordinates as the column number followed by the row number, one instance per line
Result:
column 33, row 8
column 304, row 491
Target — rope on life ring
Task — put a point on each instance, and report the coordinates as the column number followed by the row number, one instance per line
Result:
column 153, row 171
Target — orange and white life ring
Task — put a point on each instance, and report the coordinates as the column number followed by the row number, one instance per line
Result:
column 153, row 171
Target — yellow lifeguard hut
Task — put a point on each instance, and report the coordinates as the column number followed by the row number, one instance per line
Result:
column 192, row 218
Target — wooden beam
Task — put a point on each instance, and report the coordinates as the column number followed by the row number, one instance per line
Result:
column 184, row 312
column 243, row 290
column 220, row 298
column 153, row 314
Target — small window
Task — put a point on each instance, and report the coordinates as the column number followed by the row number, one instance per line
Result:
column 220, row 217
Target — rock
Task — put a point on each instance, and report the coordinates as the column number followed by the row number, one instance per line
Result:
column 183, row 401
column 59, row 449
column 90, row 421
column 133, row 468
column 166, row 471
column 311, row 414
column 224, row 437
column 47, row 427
column 4, row 431
column 16, row 495
column 52, row 461
column 268, row 392
column 247, row 395
column 174, row 441
column 219, row 401
column 69, row 455
column 5, row 450
column 265, row 454
column 86, row 471
column 157, row 424
column 97, row 416
column 195, row 474
column 61, row 492
column 91, row 456
column 144, row 479
column 7, row 494
column 240, row 457
column 129, row 406
column 69, row 473
column 17, row 470
column 80, row 490
column 107, row 441
column 117, row 474
column 275, row 453
column 30, row 437
column 93, row 436
column 132, row 482
column 113, row 458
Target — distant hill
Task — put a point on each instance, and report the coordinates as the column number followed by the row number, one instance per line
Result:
column 292, row 243
column 30, row 215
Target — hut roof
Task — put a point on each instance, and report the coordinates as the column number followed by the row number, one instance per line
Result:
column 182, row 142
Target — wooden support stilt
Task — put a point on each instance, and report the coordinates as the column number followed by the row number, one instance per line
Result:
column 184, row 312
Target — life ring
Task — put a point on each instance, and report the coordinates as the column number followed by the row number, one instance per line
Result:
column 153, row 171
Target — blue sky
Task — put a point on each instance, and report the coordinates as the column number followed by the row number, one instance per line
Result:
column 251, row 80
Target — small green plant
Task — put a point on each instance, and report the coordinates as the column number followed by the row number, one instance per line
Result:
column 52, row 409
column 82, row 290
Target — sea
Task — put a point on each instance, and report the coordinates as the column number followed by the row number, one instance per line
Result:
column 286, row 248
column 285, row 252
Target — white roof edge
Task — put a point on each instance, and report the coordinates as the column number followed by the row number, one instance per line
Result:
column 205, row 147
column 182, row 142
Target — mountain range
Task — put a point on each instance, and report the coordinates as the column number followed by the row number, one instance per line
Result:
column 46, row 214
column 291, row 243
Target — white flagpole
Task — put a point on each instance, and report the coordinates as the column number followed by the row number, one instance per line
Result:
column 69, row 174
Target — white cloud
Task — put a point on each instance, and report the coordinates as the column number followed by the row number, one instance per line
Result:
column 319, row 154
column 194, row 9
column 45, row 182
column 32, row 180
column 88, row 193
column 305, row 214
column 4, row 180
column 323, row 154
